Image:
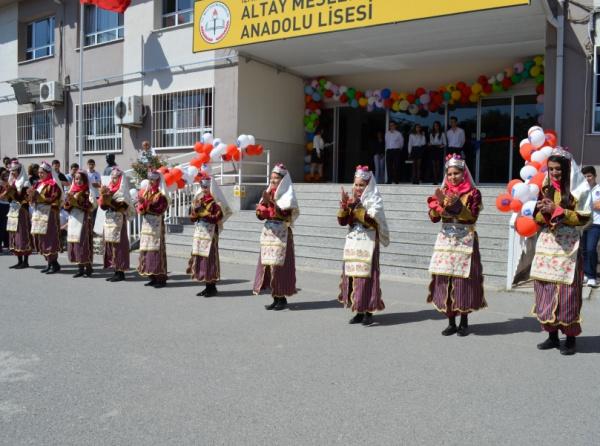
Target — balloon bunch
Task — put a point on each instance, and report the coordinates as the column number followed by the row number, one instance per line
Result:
column 213, row 149
column 522, row 194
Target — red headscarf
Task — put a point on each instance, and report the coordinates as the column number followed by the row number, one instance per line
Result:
column 49, row 180
column 466, row 184
column 77, row 188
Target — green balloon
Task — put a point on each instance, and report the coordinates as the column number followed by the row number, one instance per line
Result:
column 314, row 117
column 515, row 78
column 351, row 93
column 497, row 87
column 539, row 79
column 322, row 82
column 525, row 74
column 447, row 95
column 306, row 120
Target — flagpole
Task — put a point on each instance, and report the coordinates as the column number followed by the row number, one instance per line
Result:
column 81, row 46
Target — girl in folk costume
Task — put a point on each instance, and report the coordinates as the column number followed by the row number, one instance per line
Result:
column 209, row 211
column 276, row 267
column 19, row 222
column 114, row 200
column 79, row 227
column 152, row 205
column 557, row 267
column 456, row 272
column 364, row 215
column 46, row 201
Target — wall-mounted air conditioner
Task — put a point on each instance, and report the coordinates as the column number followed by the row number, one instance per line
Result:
column 51, row 92
column 128, row 111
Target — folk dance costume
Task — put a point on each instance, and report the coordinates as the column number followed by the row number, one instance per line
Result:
column 115, row 201
column 46, row 200
column 367, row 229
column 456, row 273
column 152, row 205
column 79, row 227
column 276, row 268
column 19, row 221
column 557, row 267
column 209, row 211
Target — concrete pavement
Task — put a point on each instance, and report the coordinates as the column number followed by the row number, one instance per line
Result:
column 86, row 362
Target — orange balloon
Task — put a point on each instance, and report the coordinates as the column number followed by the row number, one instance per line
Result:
column 180, row 183
column 251, row 149
column 525, row 226
column 534, row 164
column 538, row 179
column 237, row 155
column 503, row 202
column 204, row 158
column 516, row 206
column 551, row 139
column 231, row 149
column 259, row 150
column 177, row 174
column 196, row 162
column 207, row 148
column 198, row 147
column 526, row 150
column 511, row 184
column 169, row 180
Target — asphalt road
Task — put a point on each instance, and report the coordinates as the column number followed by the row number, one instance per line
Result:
column 86, row 362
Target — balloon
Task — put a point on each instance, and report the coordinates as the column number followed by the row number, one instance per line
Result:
column 546, row 151
column 535, row 164
column 551, row 140
column 144, row 184
column 413, row 109
column 516, row 206
column 316, row 97
column 169, row 179
column 386, row 93
column 231, row 150
column 503, row 202
column 363, row 102
column 207, row 138
column 525, row 227
column 511, row 184
column 133, row 193
column 218, row 152
column 527, row 172
column 308, row 90
column 177, row 173
column 456, row 95
column 538, row 180
column 192, row 171
column 216, row 142
column 259, row 150
column 526, row 151
column 404, row 104
column 476, row 88
column 180, row 183
column 243, row 141
column 538, row 156
column 534, row 191
column 521, row 192
column 528, row 208
column 198, row 147
column 518, row 67
column 424, row 98
column 196, row 162
column 524, row 141
column 536, row 136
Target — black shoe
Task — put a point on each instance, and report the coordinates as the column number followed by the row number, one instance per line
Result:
column 449, row 330
column 54, row 268
column 281, row 304
column 211, row 290
column 158, row 285
column 463, row 330
column 119, row 276
column 273, row 305
column 112, row 278
column 88, row 271
column 17, row 266
column 45, row 270
column 23, row 265
column 203, row 292
column 79, row 273
column 368, row 319
column 550, row 343
column 568, row 348
column 357, row 319
column 152, row 282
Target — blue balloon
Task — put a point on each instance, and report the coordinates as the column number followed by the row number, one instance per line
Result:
column 386, row 93
column 354, row 103
column 307, row 168
column 308, row 90
column 310, row 136
column 316, row 97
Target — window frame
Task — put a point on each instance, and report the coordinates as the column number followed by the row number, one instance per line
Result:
column 33, row 49
column 119, row 30
column 95, row 138
column 32, row 125
column 176, row 13
column 176, row 131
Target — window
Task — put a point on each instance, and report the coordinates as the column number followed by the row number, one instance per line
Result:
column 179, row 119
column 102, row 25
column 596, row 98
column 35, row 132
column 100, row 134
column 177, row 12
column 40, row 39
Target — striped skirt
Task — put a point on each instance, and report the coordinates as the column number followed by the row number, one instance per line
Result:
column 206, row 269
column 21, row 241
column 362, row 294
column 154, row 263
column 457, row 295
column 281, row 280
column 116, row 255
column 82, row 253
column 48, row 244
column 558, row 306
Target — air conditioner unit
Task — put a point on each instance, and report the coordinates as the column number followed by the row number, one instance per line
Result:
column 51, row 92
column 128, row 111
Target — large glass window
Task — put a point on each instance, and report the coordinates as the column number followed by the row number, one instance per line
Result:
column 35, row 132
column 40, row 39
column 100, row 133
column 495, row 141
column 102, row 25
column 177, row 12
column 179, row 119
column 525, row 116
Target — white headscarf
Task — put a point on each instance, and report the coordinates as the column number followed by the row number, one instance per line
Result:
column 579, row 186
column 285, row 197
column 22, row 180
column 122, row 194
column 219, row 198
column 372, row 201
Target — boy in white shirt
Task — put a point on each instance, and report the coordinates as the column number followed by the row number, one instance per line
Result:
column 591, row 235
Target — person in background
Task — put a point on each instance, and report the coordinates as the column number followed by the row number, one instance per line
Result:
column 33, row 172
column 394, row 143
column 437, row 144
column 455, row 137
column 416, row 150
column 64, row 182
column 4, row 208
column 377, row 150
column 110, row 163
column 591, row 235
column 72, row 171
column 146, row 153
column 95, row 182
column 6, row 162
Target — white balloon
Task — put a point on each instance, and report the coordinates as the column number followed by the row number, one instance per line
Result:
column 343, row 89
column 144, row 184
column 216, row 142
column 218, row 152
column 528, row 208
column 192, row 171
column 521, row 192
column 534, row 191
column 538, row 156
column 207, row 138
column 536, row 136
column 251, row 140
column 527, row 173
column 133, row 193
column 547, row 150
column 243, row 141
column 523, row 141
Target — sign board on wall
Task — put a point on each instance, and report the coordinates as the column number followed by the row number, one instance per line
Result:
column 230, row 23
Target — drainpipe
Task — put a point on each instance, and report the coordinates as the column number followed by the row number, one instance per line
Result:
column 559, row 24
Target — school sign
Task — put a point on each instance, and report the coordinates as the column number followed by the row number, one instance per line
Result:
column 230, row 23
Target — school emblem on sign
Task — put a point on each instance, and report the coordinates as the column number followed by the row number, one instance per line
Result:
column 215, row 22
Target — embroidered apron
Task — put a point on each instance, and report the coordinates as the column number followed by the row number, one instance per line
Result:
column 453, row 250
column 150, row 232
column 273, row 243
column 113, row 223
column 13, row 216
column 203, row 238
column 75, row 225
column 39, row 218
column 556, row 255
column 358, row 251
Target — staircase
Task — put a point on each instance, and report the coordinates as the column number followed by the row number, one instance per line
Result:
column 319, row 240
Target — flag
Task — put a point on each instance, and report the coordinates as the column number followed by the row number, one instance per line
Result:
column 110, row 5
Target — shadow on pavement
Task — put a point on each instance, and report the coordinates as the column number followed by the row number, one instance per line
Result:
column 406, row 317
column 588, row 344
column 233, row 293
column 315, row 305
column 511, row 326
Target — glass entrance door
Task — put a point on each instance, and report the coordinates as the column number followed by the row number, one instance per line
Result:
column 495, row 143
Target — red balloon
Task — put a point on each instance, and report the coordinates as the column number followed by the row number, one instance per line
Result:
column 516, row 205
column 207, row 148
column 198, row 147
column 177, row 173
column 526, row 150
column 169, row 180
column 420, row 91
column 483, row 80
column 259, row 149
column 506, row 83
column 328, row 94
column 344, row 98
column 237, row 155
column 511, row 184
column 539, row 89
column 226, row 157
column 487, row 88
column 180, row 183
column 525, row 226
column 204, row 159
column 358, row 95
column 196, row 163
column 503, row 202
column 460, row 85
column 551, row 139
column 534, row 164
column 411, row 98
column 388, row 103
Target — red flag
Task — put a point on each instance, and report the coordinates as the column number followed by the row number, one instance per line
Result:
column 110, row 5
